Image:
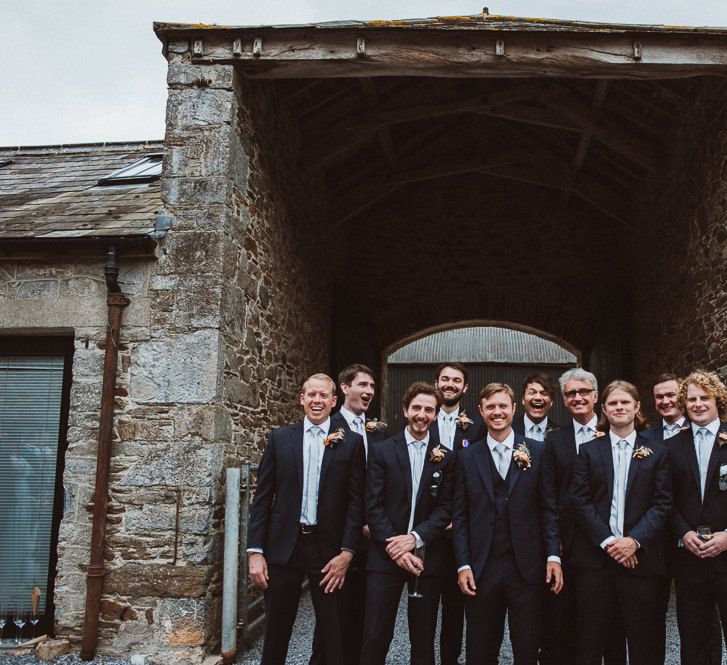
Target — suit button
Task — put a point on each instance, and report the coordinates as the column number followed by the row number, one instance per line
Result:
column 507, row 499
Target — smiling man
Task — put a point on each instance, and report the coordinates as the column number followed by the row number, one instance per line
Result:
column 306, row 521
column 699, row 517
column 538, row 393
column 666, row 401
column 408, row 507
column 622, row 495
column 505, row 534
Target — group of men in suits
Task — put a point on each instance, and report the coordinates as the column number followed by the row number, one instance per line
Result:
column 574, row 532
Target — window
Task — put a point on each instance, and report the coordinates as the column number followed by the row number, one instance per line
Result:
column 34, row 382
column 144, row 170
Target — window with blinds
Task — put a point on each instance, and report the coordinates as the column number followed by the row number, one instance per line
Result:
column 31, row 394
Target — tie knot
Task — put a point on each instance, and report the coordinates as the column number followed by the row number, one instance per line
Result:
column 501, row 448
column 316, row 431
column 418, row 445
column 622, row 445
column 703, row 431
column 358, row 420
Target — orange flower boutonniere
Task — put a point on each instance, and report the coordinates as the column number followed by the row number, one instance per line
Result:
column 334, row 437
column 722, row 438
column 521, row 455
column 463, row 421
column 437, row 455
column 643, row 451
column 375, row 426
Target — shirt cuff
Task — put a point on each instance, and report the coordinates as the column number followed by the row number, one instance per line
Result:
column 419, row 541
column 461, row 568
column 254, row 550
column 347, row 549
column 554, row 558
column 608, row 540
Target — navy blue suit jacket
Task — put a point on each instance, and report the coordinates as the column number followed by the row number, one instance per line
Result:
column 560, row 447
column 689, row 511
column 518, row 424
column 648, row 502
column 337, row 420
column 656, row 432
column 389, row 497
column 275, row 512
column 471, row 433
column 531, row 509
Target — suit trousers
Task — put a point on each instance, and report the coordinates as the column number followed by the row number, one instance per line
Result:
column 281, row 603
column 610, row 593
column 699, row 587
column 501, row 589
column 450, row 639
column 383, row 594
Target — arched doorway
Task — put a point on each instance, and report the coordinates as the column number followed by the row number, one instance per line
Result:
column 491, row 351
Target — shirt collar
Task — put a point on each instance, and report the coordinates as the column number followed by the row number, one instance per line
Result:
column 591, row 423
column 325, row 425
column 529, row 424
column 350, row 415
column 442, row 415
column 713, row 427
column 410, row 439
column 630, row 439
column 677, row 423
column 509, row 441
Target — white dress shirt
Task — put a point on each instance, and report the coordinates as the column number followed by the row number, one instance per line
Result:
column 670, row 430
column 447, row 423
column 411, row 446
column 619, row 491
column 530, row 426
column 588, row 434
column 350, row 417
column 703, row 462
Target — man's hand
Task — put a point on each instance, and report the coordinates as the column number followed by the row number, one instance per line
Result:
column 448, row 530
column 334, row 572
column 366, row 531
column 554, row 576
column 622, row 549
column 692, row 542
column 714, row 546
column 398, row 545
column 410, row 563
column 466, row 581
column 258, row 568
column 630, row 562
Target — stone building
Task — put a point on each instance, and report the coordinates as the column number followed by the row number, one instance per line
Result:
column 329, row 193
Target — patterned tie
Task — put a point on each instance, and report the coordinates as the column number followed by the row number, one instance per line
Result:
column 618, row 500
column 503, row 459
column 705, row 449
column 311, row 496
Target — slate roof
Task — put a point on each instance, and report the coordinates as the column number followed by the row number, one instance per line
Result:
column 52, row 192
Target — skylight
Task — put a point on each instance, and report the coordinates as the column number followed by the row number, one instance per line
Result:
column 144, row 170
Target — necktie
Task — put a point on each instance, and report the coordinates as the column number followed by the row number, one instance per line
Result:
column 417, row 465
column 447, row 434
column 503, row 459
column 705, row 449
column 311, row 495
column 618, row 500
column 358, row 425
column 537, row 433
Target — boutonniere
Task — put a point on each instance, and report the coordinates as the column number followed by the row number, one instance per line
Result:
column 334, row 437
column 683, row 428
column 437, row 455
column 463, row 421
column 465, row 443
column 521, row 455
column 722, row 438
column 600, row 433
column 551, row 428
column 375, row 425
column 643, row 451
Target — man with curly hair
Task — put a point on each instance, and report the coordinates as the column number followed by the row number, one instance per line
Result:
column 699, row 517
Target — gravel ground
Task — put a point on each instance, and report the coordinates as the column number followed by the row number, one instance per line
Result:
column 302, row 633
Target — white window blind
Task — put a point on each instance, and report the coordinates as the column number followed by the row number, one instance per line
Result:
column 30, row 408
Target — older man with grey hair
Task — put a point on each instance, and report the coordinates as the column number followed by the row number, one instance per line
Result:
column 580, row 394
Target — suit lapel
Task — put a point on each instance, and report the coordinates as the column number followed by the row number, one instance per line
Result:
column 715, row 456
column 604, row 446
column 480, row 453
column 296, row 440
column 691, row 454
column 427, row 466
column 635, row 462
column 515, row 470
column 571, row 445
column 402, row 455
column 328, row 452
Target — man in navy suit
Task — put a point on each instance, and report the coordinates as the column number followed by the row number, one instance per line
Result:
column 408, row 507
column 456, row 429
column 538, row 393
column 505, row 534
column 622, row 495
column 666, row 401
column 306, row 520
column 699, row 466
column 358, row 387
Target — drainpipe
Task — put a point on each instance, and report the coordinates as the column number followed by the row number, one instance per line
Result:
column 116, row 302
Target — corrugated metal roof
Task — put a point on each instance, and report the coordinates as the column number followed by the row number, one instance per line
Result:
column 471, row 22
column 52, row 192
column 482, row 344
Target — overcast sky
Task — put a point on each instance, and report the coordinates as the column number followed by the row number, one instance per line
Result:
column 91, row 70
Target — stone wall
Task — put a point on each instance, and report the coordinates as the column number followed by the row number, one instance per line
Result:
column 680, row 268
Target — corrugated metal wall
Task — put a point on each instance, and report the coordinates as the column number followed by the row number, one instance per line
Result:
column 400, row 377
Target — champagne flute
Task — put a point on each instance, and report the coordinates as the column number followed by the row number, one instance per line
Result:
column 415, row 593
column 34, row 621
column 2, row 628
column 19, row 622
